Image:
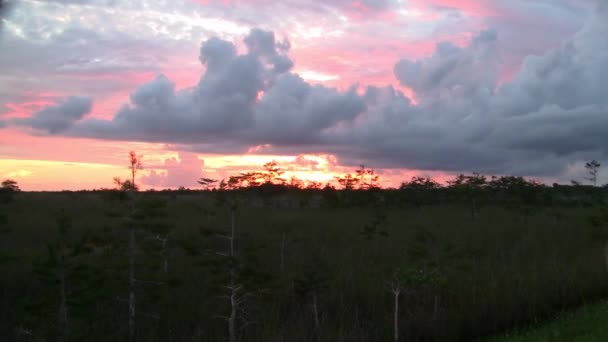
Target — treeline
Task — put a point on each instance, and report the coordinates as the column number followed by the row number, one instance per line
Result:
column 362, row 187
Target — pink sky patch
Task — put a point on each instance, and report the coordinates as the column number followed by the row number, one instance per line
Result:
column 469, row 7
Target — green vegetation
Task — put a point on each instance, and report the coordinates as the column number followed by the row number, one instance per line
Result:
column 588, row 324
column 506, row 267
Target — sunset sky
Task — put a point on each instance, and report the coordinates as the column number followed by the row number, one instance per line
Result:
column 209, row 88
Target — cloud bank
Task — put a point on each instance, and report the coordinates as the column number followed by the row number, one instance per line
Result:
column 549, row 115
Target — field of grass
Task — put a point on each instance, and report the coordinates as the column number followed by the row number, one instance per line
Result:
column 308, row 272
column 587, row 324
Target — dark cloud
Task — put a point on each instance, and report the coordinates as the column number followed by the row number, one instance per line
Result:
column 222, row 102
column 550, row 115
column 558, row 131
column 5, row 7
column 453, row 71
column 59, row 117
column 225, row 105
column 293, row 112
column 572, row 76
column 217, row 53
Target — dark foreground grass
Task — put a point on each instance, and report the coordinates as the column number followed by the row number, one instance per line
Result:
column 587, row 324
column 505, row 267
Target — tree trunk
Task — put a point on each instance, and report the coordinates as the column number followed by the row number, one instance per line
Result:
column 283, row 253
column 232, row 229
column 315, row 310
column 131, row 284
column 396, row 316
column 436, row 307
column 233, row 312
column 555, row 219
column 606, row 254
column 473, row 209
column 132, row 275
column 165, row 258
column 63, row 307
column 233, row 287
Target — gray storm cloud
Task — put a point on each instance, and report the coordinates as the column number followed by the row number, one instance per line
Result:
column 59, row 117
column 225, row 104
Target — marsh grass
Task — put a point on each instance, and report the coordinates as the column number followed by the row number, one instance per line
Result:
column 587, row 324
column 500, row 271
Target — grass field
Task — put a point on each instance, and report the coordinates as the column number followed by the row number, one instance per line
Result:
column 587, row 324
column 307, row 273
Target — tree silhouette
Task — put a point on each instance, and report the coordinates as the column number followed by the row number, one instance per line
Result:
column 376, row 226
column 135, row 163
column 126, row 185
column 245, row 180
column 273, row 173
column 10, row 185
column 419, row 190
column 470, row 186
column 407, row 282
column 295, row 183
column 63, row 308
column 207, row 183
column 348, row 181
column 593, row 170
column 5, row 197
column 367, row 178
column 312, row 185
column 310, row 284
column 8, row 189
column 235, row 271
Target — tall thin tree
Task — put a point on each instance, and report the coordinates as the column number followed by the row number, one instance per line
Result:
column 593, row 168
column 135, row 163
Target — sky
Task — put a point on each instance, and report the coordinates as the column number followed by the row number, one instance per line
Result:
column 210, row 88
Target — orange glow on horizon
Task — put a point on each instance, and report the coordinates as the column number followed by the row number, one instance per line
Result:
column 44, row 175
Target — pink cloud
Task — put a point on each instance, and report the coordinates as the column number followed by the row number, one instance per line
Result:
column 469, row 7
column 30, row 103
column 358, row 11
column 360, row 59
column 129, row 77
column 185, row 171
column 17, row 144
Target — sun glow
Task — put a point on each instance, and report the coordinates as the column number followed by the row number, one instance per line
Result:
column 38, row 175
column 320, row 168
